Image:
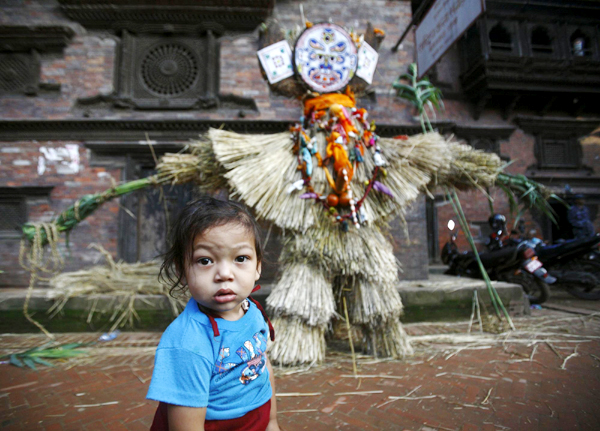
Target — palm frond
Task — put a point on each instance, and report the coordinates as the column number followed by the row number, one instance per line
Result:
column 522, row 191
column 420, row 94
column 34, row 356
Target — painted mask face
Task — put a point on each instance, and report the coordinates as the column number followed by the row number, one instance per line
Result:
column 325, row 57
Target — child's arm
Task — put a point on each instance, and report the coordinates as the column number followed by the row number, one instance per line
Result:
column 186, row 418
column 273, row 425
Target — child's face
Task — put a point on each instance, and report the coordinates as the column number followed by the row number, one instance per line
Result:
column 223, row 269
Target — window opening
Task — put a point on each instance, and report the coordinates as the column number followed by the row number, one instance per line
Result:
column 500, row 39
column 580, row 44
column 541, row 42
column 13, row 214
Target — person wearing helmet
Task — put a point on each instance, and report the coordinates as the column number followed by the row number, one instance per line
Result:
column 497, row 223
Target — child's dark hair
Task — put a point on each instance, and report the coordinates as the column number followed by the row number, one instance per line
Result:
column 196, row 218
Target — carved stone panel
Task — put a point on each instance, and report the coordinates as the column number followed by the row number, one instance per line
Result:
column 168, row 72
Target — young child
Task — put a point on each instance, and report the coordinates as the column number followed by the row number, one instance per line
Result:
column 210, row 370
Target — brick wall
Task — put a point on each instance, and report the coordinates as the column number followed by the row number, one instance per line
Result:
column 21, row 165
column 85, row 69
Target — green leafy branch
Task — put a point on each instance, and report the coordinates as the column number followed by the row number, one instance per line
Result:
column 39, row 354
column 524, row 193
column 422, row 94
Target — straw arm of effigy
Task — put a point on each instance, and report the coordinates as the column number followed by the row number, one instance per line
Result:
column 173, row 169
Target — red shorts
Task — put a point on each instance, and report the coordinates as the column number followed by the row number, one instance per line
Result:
column 255, row 420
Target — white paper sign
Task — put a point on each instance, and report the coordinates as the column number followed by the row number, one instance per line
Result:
column 367, row 62
column 276, row 60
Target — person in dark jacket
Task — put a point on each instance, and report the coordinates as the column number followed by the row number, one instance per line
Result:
column 579, row 217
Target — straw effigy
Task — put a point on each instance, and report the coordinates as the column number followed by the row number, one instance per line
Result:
column 323, row 266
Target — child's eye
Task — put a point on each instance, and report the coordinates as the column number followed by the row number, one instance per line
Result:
column 242, row 259
column 204, row 261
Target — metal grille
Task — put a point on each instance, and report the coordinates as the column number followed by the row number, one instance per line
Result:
column 14, row 73
column 12, row 216
column 556, row 154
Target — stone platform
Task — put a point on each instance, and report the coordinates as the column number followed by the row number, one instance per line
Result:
column 440, row 298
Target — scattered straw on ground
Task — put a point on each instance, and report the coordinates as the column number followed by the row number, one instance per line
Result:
column 126, row 282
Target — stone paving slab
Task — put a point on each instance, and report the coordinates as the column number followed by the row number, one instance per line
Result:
column 544, row 379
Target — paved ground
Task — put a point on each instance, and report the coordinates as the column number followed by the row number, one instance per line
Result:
column 545, row 376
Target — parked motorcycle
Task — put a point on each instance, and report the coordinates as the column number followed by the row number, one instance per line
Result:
column 575, row 263
column 516, row 263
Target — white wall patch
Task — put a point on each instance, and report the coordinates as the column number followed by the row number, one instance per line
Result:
column 64, row 159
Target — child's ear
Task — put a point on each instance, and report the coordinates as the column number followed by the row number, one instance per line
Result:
column 258, row 271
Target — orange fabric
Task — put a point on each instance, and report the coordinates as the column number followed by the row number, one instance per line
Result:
column 319, row 114
column 337, row 110
column 330, row 141
column 319, row 159
column 362, row 112
column 340, row 161
column 329, row 179
column 334, row 150
column 350, row 94
column 366, row 136
column 324, row 101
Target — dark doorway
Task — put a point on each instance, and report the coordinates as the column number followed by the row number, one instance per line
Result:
column 146, row 217
column 433, row 245
column 562, row 229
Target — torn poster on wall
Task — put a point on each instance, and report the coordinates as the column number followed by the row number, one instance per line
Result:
column 65, row 160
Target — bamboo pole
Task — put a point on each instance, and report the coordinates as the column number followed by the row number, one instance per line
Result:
column 496, row 301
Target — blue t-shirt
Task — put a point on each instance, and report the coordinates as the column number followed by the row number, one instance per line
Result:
column 226, row 374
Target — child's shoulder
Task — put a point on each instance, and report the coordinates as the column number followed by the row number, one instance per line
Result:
column 188, row 331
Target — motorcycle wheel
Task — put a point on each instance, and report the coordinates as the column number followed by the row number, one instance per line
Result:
column 590, row 266
column 535, row 289
column 583, row 291
column 586, row 288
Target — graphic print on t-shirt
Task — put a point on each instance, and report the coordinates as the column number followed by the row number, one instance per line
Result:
column 252, row 355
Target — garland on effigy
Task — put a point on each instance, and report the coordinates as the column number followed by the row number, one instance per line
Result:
column 331, row 183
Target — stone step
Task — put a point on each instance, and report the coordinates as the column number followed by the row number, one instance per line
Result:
column 437, row 268
column 440, row 298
